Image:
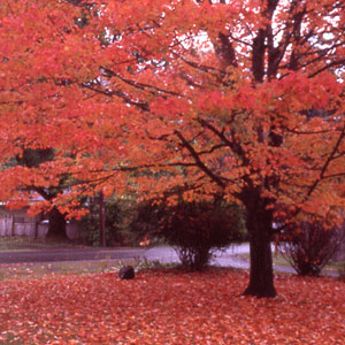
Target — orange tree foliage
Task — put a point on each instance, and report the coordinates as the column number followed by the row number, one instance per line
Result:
column 169, row 308
column 244, row 98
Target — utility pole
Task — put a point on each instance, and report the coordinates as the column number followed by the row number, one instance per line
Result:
column 102, row 220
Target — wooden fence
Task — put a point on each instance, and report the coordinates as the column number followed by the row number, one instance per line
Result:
column 18, row 223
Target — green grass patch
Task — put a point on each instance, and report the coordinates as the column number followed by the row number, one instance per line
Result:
column 280, row 260
column 37, row 270
column 28, row 243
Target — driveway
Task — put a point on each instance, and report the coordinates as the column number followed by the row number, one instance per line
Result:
column 228, row 257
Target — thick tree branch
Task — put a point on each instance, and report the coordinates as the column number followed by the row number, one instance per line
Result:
column 235, row 147
column 215, row 178
column 327, row 163
column 120, row 94
column 142, row 86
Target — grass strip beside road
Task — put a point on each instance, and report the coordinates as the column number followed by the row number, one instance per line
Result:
column 13, row 244
column 38, row 270
column 24, row 271
column 280, row 260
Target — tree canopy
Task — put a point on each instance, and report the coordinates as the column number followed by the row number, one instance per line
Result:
column 242, row 97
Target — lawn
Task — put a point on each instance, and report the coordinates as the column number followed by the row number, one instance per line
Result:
column 30, row 271
column 27, row 243
column 170, row 307
column 332, row 268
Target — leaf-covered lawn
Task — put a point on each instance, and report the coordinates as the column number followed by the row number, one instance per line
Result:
column 170, row 308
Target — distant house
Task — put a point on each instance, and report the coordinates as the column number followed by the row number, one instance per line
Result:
column 18, row 223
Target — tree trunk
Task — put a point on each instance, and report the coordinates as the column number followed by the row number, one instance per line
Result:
column 102, row 239
column 259, row 226
column 57, row 225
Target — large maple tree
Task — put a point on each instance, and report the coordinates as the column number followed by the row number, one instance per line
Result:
column 243, row 98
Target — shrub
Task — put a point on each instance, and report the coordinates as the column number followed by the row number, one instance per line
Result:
column 195, row 229
column 310, row 247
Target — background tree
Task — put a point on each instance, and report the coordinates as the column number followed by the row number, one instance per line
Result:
column 32, row 159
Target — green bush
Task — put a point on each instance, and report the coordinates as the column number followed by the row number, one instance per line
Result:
column 196, row 229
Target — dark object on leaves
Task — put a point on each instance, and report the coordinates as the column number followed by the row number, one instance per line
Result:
column 126, row 272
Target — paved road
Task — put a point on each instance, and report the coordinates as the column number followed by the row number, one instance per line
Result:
column 226, row 258
column 161, row 253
